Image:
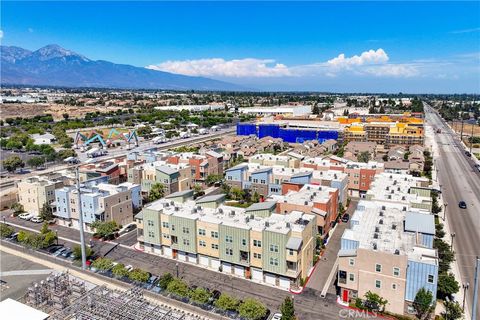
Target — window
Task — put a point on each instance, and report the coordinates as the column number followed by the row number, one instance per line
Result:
column 351, row 277
column 201, row 232
column 430, row 278
column 185, row 230
column 202, row 243
column 229, row 239
column 396, row 271
column 378, row 267
column 150, row 223
column 257, row 255
column 351, row 261
column 186, row 242
column 229, row 252
column 166, row 236
column 394, row 286
column 214, row 234
column 255, row 180
column 257, row 243
column 165, row 224
column 290, row 252
column 378, row 284
column 244, row 242
column 262, row 181
column 273, row 248
column 214, row 246
column 151, row 234
column 273, row 261
column 173, row 227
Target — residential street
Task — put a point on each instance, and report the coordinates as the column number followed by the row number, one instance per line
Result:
column 459, row 180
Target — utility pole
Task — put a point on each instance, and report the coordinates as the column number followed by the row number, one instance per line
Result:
column 475, row 288
column 80, row 219
column 471, row 138
column 461, row 130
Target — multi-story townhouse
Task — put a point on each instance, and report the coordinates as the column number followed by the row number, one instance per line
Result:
column 174, row 177
column 275, row 160
column 210, row 163
column 254, row 243
column 388, row 133
column 34, row 192
column 388, row 250
column 320, row 201
column 110, row 169
column 99, row 202
column 401, row 188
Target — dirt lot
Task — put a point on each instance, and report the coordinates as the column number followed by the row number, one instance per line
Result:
column 56, row 110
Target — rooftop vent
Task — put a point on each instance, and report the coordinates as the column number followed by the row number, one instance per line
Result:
column 381, row 214
column 199, row 208
column 308, row 187
column 220, row 210
column 397, row 252
column 383, row 208
column 380, row 221
column 377, row 229
column 177, row 208
column 172, row 203
column 387, row 188
column 288, row 224
column 374, row 246
column 398, row 189
column 166, row 205
column 375, row 235
column 403, row 198
column 306, row 203
column 194, row 210
column 394, row 226
column 267, row 224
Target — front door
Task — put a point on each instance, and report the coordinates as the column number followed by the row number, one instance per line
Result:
column 345, row 295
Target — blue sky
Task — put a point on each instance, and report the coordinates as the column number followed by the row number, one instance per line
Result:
column 324, row 46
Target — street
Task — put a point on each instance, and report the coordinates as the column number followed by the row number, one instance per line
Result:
column 459, row 181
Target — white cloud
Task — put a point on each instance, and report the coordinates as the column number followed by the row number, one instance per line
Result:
column 1, row 34
column 393, row 70
column 236, row 68
column 367, row 57
column 465, row 31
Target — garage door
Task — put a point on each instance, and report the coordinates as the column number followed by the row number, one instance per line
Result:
column 215, row 264
column 239, row 271
column 167, row 251
column 270, row 279
column 192, row 258
column 157, row 249
column 257, row 274
column 285, row 283
column 203, row 260
column 182, row 256
column 226, row 267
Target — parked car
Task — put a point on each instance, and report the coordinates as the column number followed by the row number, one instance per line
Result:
column 67, row 253
column 128, row 228
column 468, row 154
column 36, row 220
column 462, row 205
column 129, row 267
column 13, row 237
column 54, row 248
column 26, row 216
column 277, row 316
column 59, row 252
column 345, row 217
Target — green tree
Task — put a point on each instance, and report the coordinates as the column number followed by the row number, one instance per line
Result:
column 49, row 238
column 36, row 162
column 17, row 208
column 46, row 213
column 423, row 303
column 364, row 156
column 213, row 178
column 255, row 197
column 6, row 230
column 165, row 280
column 119, row 270
column 252, row 309
column 139, row 275
column 103, row 264
column 14, row 144
column 200, row 295
column 44, row 228
column 287, row 309
column 104, row 229
column 374, row 302
column 178, row 287
column 77, row 251
column 237, row 193
column 447, row 286
column 316, row 109
column 453, row 311
column 226, row 302
column 66, row 153
column 12, row 163
column 156, row 192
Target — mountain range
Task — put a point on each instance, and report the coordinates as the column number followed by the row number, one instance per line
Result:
column 53, row 65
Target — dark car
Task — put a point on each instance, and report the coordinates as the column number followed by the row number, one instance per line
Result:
column 54, row 248
column 462, row 205
column 468, row 154
column 345, row 217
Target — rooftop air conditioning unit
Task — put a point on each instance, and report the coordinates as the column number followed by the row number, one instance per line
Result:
column 374, row 246
column 220, row 210
column 375, row 235
column 306, row 203
column 381, row 214
column 397, row 252
column 177, row 208
column 383, row 208
column 394, row 227
column 381, row 221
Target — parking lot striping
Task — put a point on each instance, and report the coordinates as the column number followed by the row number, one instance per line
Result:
column 25, row 272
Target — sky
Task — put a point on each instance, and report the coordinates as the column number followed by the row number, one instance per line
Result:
column 411, row 47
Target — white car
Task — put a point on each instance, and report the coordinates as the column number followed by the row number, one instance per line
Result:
column 277, row 316
column 26, row 216
column 129, row 267
column 36, row 220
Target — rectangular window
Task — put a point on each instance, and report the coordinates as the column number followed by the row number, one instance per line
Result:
column 257, row 255
column 430, row 278
column 378, row 284
column 229, row 239
column 151, row 234
column 351, row 276
column 378, row 267
column 273, row 248
column 202, row 243
column 273, row 261
column 201, row 232
column 244, row 242
column 396, row 271
column 185, row 230
column 150, row 223
column 186, row 242
column 165, row 224
column 214, row 246
column 166, row 236
column 290, row 252
column 351, row 261
column 214, row 234
column 394, row 286
column 257, row 243
column 173, row 227
column 228, row 252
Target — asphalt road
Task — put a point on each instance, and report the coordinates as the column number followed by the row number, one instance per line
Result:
column 460, row 181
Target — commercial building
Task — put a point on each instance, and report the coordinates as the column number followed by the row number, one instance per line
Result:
column 253, row 243
column 388, row 133
column 99, row 202
column 34, row 192
column 210, row 163
column 300, row 110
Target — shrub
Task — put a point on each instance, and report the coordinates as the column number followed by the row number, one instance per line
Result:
column 119, row 270
column 6, row 230
column 139, row 275
column 103, row 264
column 178, row 287
column 200, row 295
column 226, row 302
column 165, row 280
column 252, row 309
column 77, row 251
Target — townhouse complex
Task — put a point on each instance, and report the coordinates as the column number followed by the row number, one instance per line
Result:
column 35, row 192
column 254, row 243
column 388, row 247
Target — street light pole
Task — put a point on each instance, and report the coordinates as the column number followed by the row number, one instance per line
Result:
column 80, row 221
column 176, row 266
column 465, row 288
column 452, row 235
column 471, row 138
column 445, row 211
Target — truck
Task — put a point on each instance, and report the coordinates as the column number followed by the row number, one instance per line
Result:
column 185, row 135
column 215, row 128
column 96, row 152
column 159, row 140
column 203, row 131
